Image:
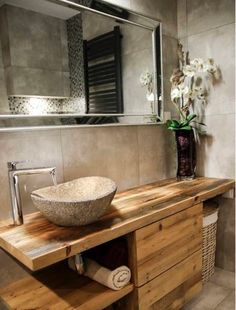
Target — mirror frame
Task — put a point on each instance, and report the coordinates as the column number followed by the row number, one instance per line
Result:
column 157, row 73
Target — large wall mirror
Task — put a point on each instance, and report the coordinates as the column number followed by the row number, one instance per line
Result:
column 82, row 62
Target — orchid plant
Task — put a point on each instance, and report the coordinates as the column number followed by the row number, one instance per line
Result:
column 190, row 86
column 146, row 80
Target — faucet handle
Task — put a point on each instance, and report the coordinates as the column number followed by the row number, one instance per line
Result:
column 12, row 165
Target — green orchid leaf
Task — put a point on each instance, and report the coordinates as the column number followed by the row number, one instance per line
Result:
column 200, row 123
column 175, row 123
column 184, row 123
column 170, row 124
column 191, row 117
column 186, row 128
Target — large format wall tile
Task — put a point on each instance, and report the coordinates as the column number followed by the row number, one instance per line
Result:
column 41, row 148
column 35, row 55
column 168, row 104
column 182, row 18
column 30, row 47
column 216, row 156
column 219, row 45
column 208, row 14
column 110, row 152
column 35, row 82
column 156, row 153
column 1, row 60
column 161, row 10
column 170, row 57
column 225, row 253
column 4, row 107
column 134, row 64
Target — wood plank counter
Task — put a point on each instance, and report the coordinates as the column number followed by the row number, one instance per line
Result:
column 39, row 243
column 59, row 288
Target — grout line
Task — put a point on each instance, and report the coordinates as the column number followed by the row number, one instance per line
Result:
column 224, row 298
column 209, row 30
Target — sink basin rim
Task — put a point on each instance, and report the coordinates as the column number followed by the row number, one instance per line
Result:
column 72, row 201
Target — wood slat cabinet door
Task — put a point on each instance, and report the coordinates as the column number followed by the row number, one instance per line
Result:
column 173, row 288
column 158, row 247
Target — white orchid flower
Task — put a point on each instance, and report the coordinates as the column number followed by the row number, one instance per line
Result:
column 175, row 93
column 212, row 68
column 145, row 78
column 189, row 70
column 197, row 64
column 150, row 97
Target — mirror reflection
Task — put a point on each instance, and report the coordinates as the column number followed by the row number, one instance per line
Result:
column 56, row 59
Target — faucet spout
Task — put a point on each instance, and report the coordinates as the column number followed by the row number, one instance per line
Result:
column 13, row 176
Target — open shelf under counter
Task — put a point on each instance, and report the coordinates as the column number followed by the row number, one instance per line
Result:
column 58, row 287
column 38, row 243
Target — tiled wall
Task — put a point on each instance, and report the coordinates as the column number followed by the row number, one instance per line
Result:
column 206, row 28
column 40, row 55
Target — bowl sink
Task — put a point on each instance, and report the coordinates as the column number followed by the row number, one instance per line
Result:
column 75, row 203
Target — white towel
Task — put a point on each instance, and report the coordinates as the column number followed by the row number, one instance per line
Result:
column 76, row 263
column 114, row 279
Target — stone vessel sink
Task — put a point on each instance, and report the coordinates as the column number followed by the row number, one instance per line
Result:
column 75, row 203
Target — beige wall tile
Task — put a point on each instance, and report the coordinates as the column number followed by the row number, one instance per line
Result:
column 4, row 107
column 203, row 15
column 168, row 105
column 41, row 148
column 35, row 82
column 225, row 252
column 1, row 60
column 219, row 45
column 182, row 18
column 159, row 9
column 156, row 155
column 170, row 58
column 134, row 64
column 23, row 26
column 110, row 152
column 215, row 154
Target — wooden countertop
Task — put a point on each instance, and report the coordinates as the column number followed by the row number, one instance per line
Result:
column 39, row 243
column 58, row 288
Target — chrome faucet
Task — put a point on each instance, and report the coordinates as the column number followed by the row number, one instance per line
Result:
column 13, row 176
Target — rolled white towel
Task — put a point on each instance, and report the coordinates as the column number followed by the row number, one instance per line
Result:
column 76, row 263
column 114, row 279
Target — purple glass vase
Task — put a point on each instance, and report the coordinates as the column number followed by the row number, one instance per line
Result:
column 186, row 152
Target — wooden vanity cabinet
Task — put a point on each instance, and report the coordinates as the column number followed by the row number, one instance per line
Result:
column 162, row 222
column 166, row 261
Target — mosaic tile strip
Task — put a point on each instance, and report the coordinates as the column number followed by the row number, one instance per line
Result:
column 40, row 106
column 76, row 58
